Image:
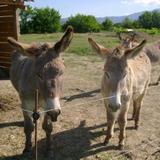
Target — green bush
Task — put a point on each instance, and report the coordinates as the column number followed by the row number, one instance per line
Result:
column 152, row 31
column 127, row 23
column 107, row 25
column 83, row 23
column 26, row 20
column 40, row 20
column 145, row 20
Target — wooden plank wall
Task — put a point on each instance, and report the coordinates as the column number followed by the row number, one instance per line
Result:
column 8, row 28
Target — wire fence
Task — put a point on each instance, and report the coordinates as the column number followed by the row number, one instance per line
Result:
column 116, row 157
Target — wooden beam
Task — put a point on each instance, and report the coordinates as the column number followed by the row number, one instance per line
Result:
column 6, row 34
column 6, row 12
column 6, row 18
column 16, row 24
column 5, row 59
column 5, row 65
column 5, row 47
column 5, row 54
column 5, row 7
column 17, row 3
column 6, row 28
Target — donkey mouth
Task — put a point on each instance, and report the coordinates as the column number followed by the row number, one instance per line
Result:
column 114, row 108
column 54, row 114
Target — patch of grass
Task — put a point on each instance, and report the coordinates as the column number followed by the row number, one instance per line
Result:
column 104, row 156
column 79, row 44
column 109, row 156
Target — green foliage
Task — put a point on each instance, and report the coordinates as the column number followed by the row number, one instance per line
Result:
column 26, row 20
column 118, row 25
column 150, row 20
column 40, row 20
column 118, row 30
column 46, row 20
column 145, row 20
column 107, row 25
column 156, row 19
column 153, row 31
column 136, row 24
column 127, row 23
column 83, row 23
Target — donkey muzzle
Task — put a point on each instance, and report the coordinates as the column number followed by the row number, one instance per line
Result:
column 53, row 107
column 115, row 108
column 54, row 114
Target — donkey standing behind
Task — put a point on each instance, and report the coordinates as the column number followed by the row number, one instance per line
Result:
column 152, row 50
column 39, row 67
column 126, row 77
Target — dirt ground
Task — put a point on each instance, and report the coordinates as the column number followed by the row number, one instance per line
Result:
column 80, row 130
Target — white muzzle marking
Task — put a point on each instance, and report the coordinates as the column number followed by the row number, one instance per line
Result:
column 115, row 100
column 53, row 103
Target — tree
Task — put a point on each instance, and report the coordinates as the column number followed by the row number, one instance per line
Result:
column 42, row 20
column 118, row 25
column 46, row 20
column 26, row 20
column 107, row 24
column 83, row 23
column 156, row 19
column 145, row 20
column 127, row 23
column 136, row 24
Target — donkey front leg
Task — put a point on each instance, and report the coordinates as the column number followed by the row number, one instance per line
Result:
column 137, row 105
column 110, row 123
column 122, row 122
column 47, row 126
column 28, row 129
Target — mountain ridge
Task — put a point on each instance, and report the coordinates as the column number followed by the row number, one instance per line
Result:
column 117, row 19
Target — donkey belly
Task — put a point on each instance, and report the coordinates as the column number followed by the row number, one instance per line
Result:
column 140, row 70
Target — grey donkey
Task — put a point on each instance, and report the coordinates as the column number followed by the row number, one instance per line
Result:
column 39, row 67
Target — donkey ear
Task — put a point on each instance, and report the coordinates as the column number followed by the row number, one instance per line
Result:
column 24, row 49
column 131, row 53
column 63, row 44
column 102, row 51
column 120, row 36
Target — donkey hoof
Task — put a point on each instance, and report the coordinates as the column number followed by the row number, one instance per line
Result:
column 136, row 127
column 106, row 142
column 27, row 150
column 121, row 147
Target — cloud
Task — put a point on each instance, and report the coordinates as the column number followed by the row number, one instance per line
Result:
column 142, row 2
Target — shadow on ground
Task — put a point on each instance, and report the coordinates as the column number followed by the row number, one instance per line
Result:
column 11, row 124
column 72, row 144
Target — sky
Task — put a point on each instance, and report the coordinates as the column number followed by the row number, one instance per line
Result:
column 98, row 8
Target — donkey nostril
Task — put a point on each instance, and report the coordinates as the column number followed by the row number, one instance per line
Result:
column 114, row 107
column 118, row 106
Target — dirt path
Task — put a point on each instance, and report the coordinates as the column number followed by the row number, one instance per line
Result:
column 80, row 129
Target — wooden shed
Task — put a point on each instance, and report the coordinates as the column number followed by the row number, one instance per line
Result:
column 9, row 27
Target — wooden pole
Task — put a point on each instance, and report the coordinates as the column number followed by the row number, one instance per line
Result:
column 36, row 117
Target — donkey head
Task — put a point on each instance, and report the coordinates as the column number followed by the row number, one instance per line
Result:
column 48, row 68
column 116, row 71
column 128, row 41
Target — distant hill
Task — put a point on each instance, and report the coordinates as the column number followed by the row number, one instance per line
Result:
column 116, row 19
